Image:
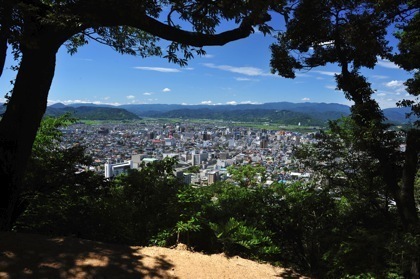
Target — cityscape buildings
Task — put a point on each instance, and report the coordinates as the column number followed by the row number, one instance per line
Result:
column 211, row 147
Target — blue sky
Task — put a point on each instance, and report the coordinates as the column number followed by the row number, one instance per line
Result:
column 232, row 74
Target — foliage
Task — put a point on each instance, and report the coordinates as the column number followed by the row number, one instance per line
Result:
column 50, row 165
column 247, row 175
column 330, row 231
column 93, row 113
column 131, row 209
column 369, row 233
column 335, row 38
column 236, row 236
column 194, row 169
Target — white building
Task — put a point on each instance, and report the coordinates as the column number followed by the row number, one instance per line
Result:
column 112, row 170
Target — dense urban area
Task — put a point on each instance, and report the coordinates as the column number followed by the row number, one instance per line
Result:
column 210, row 147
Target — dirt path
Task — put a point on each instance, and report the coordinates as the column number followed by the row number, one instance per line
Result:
column 36, row 256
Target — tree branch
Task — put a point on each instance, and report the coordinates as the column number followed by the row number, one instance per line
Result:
column 137, row 18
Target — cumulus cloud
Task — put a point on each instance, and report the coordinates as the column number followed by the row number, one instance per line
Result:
column 166, row 89
column 231, row 103
column 306, row 99
column 332, row 87
column 130, row 97
column 248, row 71
column 395, row 83
column 158, row 69
column 206, row 102
column 147, row 93
column 208, row 56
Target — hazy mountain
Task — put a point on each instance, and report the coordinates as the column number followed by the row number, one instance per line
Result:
column 398, row 115
column 93, row 113
column 248, row 115
column 57, row 106
column 318, row 112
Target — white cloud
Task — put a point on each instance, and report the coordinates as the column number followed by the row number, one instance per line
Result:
column 206, row 102
column 380, row 77
column 394, row 83
column 78, row 101
column 381, row 94
column 166, row 89
column 106, row 98
column 306, row 99
column 326, row 73
column 387, row 64
column 130, row 97
column 302, row 75
column 243, row 79
column 208, row 56
column 231, row 103
column 332, row 87
column 158, row 69
column 147, row 93
column 249, row 103
column 248, row 71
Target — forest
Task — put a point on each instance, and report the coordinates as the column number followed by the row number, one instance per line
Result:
column 357, row 219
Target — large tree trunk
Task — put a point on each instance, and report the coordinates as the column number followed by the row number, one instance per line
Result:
column 20, row 123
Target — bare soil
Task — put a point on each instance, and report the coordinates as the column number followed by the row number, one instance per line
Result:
column 37, row 256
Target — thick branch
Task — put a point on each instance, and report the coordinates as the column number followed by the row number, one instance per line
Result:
column 170, row 33
column 139, row 19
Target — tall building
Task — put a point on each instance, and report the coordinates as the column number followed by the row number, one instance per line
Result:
column 112, row 170
column 212, row 176
column 264, row 142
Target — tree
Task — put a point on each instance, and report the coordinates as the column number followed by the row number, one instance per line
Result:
column 37, row 29
column 325, row 32
column 247, row 175
column 54, row 181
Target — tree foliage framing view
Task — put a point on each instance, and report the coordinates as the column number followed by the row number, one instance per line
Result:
column 37, row 29
column 376, row 172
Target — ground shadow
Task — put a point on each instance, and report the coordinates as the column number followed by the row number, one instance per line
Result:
column 36, row 256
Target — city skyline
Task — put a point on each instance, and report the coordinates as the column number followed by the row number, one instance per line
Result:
column 236, row 73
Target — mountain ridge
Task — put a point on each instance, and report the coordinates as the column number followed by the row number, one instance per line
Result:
column 319, row 112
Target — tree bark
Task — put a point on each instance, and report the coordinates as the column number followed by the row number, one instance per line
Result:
column 20, row 123
column 409, row 174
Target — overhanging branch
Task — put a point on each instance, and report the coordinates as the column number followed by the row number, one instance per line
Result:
column 92, row 17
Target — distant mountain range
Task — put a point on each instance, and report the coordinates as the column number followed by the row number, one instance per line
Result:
column 91, row 112
column 278, row 112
